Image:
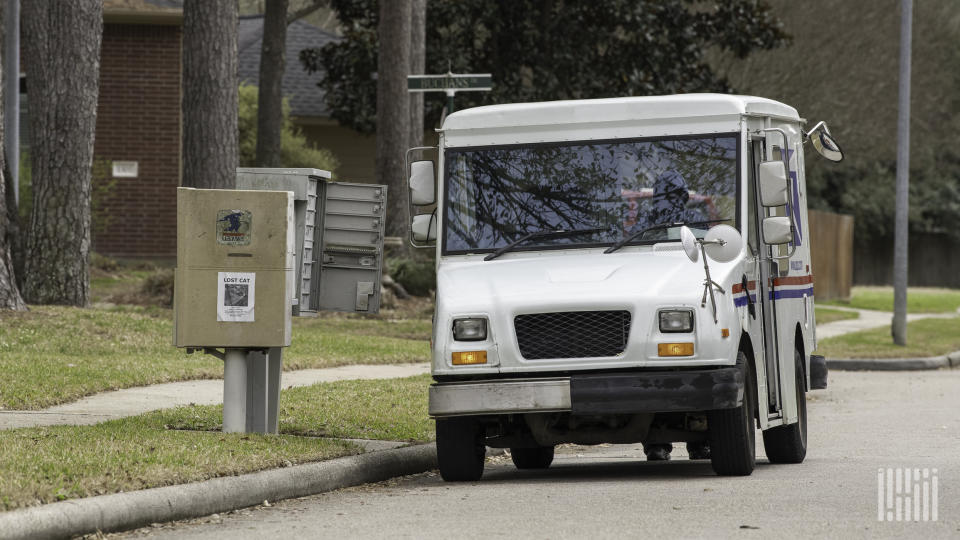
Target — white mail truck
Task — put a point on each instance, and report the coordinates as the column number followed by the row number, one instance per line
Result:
column 629, row 270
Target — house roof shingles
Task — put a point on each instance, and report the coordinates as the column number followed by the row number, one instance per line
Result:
column 300, row 87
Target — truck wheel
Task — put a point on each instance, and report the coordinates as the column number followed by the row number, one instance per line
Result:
column 460, row 449
column 788, row 444
column 733, row 431
column 532, row 458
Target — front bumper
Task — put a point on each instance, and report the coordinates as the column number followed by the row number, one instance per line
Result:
column 605, row 393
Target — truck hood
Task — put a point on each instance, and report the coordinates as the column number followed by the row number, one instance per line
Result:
column 563, row 280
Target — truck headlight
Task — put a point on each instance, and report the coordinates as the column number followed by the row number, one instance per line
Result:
column 470, row 329
column 676, row 320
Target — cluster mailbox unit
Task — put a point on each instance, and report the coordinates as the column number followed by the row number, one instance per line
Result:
column 286, row 242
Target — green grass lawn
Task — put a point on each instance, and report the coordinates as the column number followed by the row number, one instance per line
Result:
column 59, row 354
column 384, row 409
column 47, row 464
column 827, row 315
column 919, row 299
column 926, row 337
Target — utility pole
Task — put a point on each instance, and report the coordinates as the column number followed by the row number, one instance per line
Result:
column 901, row 238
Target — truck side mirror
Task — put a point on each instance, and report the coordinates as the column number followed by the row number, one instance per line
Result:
column 773, row 183
column 824, row 143
column 776, row 230
column 424, row 228
column 422, row 191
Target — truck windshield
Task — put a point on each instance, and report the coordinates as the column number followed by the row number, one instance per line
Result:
column 495, row 195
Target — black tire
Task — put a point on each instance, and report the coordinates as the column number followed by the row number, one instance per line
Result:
column 788, row 444
column 460, row 449
column 732, row 432
column 532, row 458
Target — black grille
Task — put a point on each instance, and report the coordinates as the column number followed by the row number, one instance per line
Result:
column 572, row 334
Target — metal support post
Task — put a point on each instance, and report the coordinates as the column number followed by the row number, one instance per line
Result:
column 263, row 390
column 234, row 391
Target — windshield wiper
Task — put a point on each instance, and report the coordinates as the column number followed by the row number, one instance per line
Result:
column 542, row 233
column 669, row 225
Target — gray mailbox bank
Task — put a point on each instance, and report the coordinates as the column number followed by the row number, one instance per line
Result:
column 329, row 250
column 339, row 234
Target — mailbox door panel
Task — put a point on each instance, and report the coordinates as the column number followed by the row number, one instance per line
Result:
column 351, row 261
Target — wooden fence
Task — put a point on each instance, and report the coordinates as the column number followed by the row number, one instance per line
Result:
column 831, row 237
column 933, row 261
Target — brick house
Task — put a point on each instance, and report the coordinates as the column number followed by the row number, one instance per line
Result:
column 139, row 120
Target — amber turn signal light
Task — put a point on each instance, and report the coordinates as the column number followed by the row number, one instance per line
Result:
column 469, row 357
column 675, row 349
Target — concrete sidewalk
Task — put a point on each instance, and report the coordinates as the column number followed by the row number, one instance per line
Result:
column 868, row 319
column 133, row 401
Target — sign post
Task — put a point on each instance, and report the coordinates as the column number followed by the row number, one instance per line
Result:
column 450, row 84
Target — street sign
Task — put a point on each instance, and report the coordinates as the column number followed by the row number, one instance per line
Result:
column 450, row 82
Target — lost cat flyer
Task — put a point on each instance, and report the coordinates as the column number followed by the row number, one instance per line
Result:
column 235, row 298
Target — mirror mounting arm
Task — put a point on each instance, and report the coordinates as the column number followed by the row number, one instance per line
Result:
column 708, row 282
column 785, row 157
column 410, row 209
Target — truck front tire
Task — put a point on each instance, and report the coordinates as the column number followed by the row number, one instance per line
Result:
column 460, row 449
column 532, row 458
column 733, row 431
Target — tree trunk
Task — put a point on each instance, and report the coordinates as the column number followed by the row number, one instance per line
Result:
column 62, row 56
column 9, row 220
column 393, row 109
column 270, row 95
column 9, row 293
column 418, row 63
column 210, row 94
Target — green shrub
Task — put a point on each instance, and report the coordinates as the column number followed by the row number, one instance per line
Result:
column 417, row 277
column 158, row 286
column 296, row 150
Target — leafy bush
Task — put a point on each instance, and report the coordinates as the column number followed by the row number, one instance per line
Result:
column 417, row 277
column 296, row 150
column 159, row 287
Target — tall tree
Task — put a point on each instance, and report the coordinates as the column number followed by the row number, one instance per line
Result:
column 62, row 56
column 270, row 97
column 540, row 50
column 393, row 109
column 418, row 63
column 9, row 293
column 209, row 93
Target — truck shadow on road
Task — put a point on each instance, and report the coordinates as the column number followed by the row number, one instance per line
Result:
column 588, row 470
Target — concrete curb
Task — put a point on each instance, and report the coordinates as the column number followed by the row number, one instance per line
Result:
column 895, row 364
column 123, row 511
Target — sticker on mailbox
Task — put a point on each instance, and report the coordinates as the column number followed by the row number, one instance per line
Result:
column 235, row 299
column 233, row 227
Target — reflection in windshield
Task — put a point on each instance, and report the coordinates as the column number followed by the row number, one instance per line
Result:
column 495, row 195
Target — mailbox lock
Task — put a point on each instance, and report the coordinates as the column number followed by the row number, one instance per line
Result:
column 367, row 261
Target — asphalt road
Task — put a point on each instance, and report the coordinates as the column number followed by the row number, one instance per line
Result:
column 864, row 422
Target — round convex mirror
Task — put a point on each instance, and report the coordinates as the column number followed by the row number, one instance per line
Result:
column 689, row 243
column 722, row 243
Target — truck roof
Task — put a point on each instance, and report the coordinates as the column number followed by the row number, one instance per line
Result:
column 615, row 110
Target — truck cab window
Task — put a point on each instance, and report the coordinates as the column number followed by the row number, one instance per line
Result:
column 495, row 195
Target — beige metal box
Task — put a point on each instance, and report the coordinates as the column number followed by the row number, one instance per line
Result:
column 235, row 268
